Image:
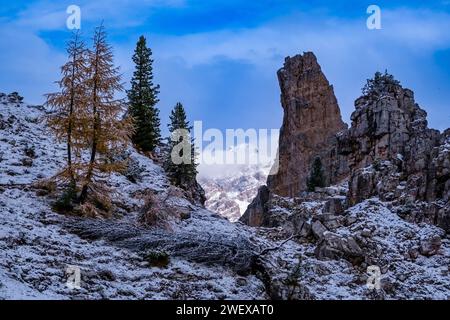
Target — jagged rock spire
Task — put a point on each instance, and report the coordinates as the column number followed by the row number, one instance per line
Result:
column 311, row 120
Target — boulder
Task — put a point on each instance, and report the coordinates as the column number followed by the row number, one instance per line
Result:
column 335, row 206
column 318, row 229
column 430, row 246
column 334, row 246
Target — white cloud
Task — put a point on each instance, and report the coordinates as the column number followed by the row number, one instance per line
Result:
column 348, row 52
column 255, row 158
column 51, row 15
column 28, row 65
column 415, row 30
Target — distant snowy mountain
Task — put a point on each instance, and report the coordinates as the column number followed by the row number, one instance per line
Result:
column 231, row 188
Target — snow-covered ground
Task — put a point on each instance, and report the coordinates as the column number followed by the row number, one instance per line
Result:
column 386, row 242
column 36, row 252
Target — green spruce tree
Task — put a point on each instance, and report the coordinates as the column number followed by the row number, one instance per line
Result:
column 316, row 178
column 143, row 99
column 181, row 164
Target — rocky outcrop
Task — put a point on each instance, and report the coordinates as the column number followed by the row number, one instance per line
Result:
column 311, row 121
column 393, row 154
column 367, row 234
column 195, row 192
column 311, row 126
column 257, row 211
column 440, row 183
column 334, row 246
column 388, row 152
column 392, row 205
column 391, row 126
column 329, row 205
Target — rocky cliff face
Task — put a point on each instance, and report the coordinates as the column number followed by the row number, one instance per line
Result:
column 311, row 121
column 391, row 211
column 388, row 152
column 393, row 154
column 390, row 126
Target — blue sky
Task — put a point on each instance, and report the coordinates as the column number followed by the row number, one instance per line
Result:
column 220, row 57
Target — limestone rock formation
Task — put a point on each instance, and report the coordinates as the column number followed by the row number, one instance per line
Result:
column 440, row 166
column 311, row 121
column 391, row 126
column 393, row 154
column 392, row 199
column 388, row 152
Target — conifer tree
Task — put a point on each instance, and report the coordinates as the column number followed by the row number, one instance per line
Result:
column 107, row 132
column 380, row 84
column 316, row 179
column 69, row 107
column 143, row 99
column 181, row 161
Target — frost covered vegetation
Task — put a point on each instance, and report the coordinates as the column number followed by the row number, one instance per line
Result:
column 72, row 195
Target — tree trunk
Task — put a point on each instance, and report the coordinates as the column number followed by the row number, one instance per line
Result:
column 84, row 190
column 70, row 125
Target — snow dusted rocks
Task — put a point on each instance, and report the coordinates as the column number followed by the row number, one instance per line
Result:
column 430, row 246
column 24, row 143
column 36, row 250
column 257, row 211
column 209, row 257
column 390, row 126
column 391, row 208
column 333, row 246
column 395, row 156
column 414, row 258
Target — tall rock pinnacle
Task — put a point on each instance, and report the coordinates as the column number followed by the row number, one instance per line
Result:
column 389, row 152
column 311, row 121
